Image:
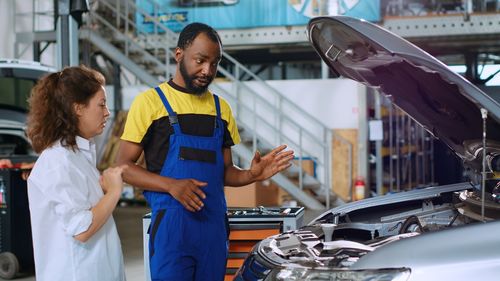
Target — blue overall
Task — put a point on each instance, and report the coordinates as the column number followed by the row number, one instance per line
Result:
column 188, row 245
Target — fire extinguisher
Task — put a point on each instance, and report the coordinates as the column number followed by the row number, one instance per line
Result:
column 359, row 188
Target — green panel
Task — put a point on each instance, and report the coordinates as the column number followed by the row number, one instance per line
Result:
column 15, row 92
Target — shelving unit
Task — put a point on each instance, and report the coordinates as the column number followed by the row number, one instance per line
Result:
column 404, row 159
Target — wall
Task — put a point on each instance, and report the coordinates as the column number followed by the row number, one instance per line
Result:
column 23, row 22
column 334, row 102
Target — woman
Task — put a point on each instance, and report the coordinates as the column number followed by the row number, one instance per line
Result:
column 74, row 234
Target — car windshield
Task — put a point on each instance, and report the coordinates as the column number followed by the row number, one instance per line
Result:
column 17, row 78
column 15, row 91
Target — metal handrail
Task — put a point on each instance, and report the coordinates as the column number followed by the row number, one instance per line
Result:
column 168, row 35
column 125, row 39
column 223, row 71
column 267, row 103
column 271, row 89
column 172, row 36
column 267, row 123
column 319, row 141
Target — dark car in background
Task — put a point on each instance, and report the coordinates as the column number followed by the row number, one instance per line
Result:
column 437, row 233
column 17, row 78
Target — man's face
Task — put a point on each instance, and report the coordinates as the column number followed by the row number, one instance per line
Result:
column 198, row 64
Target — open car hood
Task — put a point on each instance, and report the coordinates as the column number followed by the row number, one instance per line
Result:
column 443, row 102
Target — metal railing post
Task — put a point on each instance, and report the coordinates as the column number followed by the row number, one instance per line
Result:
column 301, row 171
column 327, row 173
column 309, row 129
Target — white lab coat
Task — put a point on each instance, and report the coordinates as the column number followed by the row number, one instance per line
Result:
column 62, row 188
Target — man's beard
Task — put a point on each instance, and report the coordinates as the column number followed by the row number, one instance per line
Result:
column 188, row 80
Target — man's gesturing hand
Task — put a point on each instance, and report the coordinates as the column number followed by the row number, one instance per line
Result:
column 264, row 167
column 188, row 192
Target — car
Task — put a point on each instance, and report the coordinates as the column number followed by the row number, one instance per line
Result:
column 13, row 140
column 445, row 232
column 17, row 78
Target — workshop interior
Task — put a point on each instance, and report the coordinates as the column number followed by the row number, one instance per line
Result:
column 392, row 109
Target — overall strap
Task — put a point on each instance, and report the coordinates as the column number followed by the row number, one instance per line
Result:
column 172, row 115
column 219, row 125
column 217, row 106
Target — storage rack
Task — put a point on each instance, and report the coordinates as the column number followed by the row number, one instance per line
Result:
column 404, row 159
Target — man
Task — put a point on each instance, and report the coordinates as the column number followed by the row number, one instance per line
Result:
column 186, row 134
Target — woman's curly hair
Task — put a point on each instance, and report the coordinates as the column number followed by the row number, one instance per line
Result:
column 52, row 103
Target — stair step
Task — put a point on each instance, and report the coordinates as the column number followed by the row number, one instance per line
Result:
column 334, row 199
column 145, row 56
column 322, row 198
column 294, row 172
column 309, row 182
column 248, row 141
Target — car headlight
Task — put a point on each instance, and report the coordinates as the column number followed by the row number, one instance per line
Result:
column 300, row 273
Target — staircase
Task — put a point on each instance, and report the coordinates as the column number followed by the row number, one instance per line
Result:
column 258, row 108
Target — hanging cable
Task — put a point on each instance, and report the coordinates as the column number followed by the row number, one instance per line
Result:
column 484, row 115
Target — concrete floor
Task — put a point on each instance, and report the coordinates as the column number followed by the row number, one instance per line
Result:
column 129, row 223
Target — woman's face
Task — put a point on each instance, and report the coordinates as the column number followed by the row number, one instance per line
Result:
column 92, row 117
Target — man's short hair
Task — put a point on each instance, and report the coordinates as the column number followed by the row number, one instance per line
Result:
column 189, row 33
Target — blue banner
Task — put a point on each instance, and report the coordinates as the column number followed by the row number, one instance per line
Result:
column 240, row 14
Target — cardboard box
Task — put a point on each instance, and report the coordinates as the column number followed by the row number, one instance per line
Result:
column 266, row 194
column 308, row 166
column 340, row 170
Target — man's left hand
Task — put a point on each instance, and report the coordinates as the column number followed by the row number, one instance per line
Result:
column 264, row 167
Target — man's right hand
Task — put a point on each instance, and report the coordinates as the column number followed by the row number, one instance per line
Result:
column 188, row 192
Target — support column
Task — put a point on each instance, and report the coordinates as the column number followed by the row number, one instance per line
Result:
column 324, row 70
column 67, row 31
column 117, row 87
column 471, row 71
